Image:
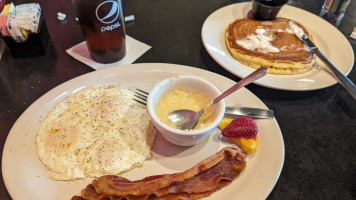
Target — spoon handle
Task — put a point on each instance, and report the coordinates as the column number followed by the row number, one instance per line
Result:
column 243, row 82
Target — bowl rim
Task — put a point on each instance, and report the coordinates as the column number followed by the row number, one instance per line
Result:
column 211, row 126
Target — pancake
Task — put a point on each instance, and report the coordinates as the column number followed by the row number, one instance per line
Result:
column 270, row 44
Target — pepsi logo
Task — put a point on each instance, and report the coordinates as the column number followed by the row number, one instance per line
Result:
column 108, row 11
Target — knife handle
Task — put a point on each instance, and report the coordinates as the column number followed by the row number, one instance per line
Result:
column 250, row 112
column 341, row 78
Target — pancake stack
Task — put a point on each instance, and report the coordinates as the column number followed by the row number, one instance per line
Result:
column 270, row 44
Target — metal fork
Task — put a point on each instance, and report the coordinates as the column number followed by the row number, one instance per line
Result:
column 141, row 96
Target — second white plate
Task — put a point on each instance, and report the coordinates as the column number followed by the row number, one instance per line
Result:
column 329, row 40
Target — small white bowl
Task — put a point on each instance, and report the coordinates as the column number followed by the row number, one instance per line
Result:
column 188, row 84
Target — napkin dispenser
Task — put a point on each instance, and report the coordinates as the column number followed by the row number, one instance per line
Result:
column 35, row 45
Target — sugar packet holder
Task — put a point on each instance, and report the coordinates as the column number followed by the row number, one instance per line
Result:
column 18, row 21
column 36, row 41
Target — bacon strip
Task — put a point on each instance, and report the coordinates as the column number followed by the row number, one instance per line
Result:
column 201, row 180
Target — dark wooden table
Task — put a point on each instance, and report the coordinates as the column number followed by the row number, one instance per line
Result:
column 319, row 127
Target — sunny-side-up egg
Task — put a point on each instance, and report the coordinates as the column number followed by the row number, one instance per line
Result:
column 95, row 132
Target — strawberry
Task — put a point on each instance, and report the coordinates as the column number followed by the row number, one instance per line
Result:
column 241, row 127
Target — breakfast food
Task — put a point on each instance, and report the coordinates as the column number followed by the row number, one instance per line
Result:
column 203, row 179
column 95, row 132
column 270, row 44
column 243, row 131
column 180, row 99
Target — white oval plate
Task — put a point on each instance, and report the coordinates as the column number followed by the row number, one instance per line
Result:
column 25, row 176
column 328, row 39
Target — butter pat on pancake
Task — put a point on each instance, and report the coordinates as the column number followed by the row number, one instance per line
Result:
column 270, row 44
column 95, row 132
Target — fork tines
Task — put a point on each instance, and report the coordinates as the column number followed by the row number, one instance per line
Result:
column 141, row 95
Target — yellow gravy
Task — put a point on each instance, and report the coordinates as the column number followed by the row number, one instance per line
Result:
column 179, row 99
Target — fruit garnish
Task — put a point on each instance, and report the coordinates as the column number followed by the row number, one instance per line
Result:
column 243, row 127
column 248, row 145
column 224, row 123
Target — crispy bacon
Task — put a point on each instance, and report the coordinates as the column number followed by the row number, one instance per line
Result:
column 199, row 181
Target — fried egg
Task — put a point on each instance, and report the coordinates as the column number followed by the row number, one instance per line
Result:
column 95, row 132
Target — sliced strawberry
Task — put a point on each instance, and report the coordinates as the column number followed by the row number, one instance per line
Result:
column 241, row 127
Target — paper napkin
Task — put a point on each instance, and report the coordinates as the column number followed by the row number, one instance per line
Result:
column 353, row 34
column 134, row 49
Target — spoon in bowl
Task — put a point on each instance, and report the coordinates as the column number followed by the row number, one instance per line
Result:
column 188, row 119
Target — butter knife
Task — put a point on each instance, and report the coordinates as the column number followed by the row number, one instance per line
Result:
column 250, row 112
column 341, row 78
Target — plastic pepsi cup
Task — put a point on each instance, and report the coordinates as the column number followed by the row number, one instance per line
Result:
column 103, row 26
